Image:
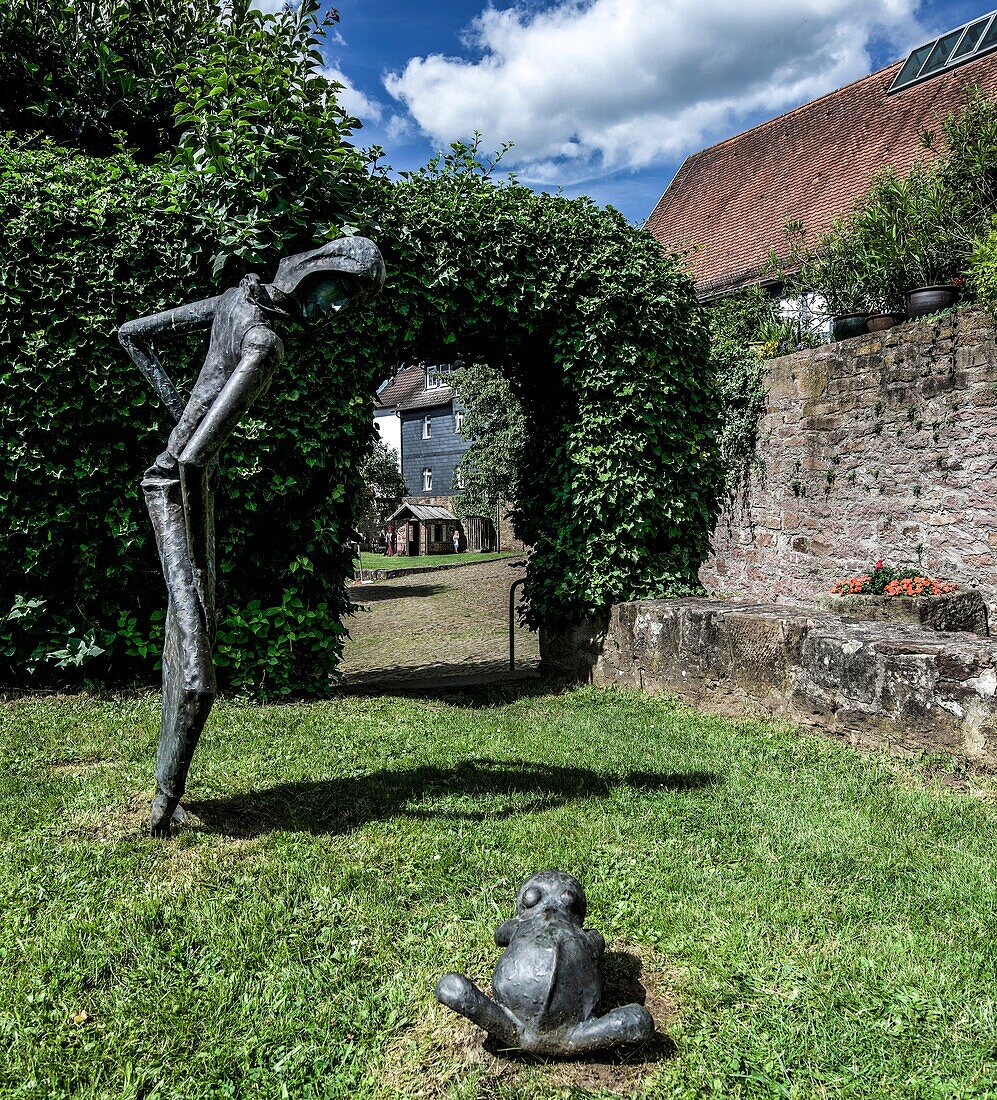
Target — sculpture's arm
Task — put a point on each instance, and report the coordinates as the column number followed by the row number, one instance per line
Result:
column 504, row 932
column 596, row 940
column 135, row 337
column 262, row 351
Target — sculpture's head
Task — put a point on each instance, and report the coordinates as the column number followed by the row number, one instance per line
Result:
column 330, row 278
column 552, row 892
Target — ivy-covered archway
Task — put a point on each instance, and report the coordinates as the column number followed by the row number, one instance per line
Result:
column 598, row 331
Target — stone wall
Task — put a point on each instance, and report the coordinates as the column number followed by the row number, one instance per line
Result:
column 881, row 446
column 876, row 684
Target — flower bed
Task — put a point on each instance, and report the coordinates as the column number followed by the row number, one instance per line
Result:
column 906, row 595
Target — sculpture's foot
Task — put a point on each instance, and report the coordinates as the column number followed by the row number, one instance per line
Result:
column 463, row 996
column 166, row 812
column 621, row 1027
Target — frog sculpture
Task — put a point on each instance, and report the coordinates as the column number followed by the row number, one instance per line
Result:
column 547, row 986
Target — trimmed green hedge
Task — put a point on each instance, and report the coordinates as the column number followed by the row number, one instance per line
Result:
column 88, row 244
column 598, row 330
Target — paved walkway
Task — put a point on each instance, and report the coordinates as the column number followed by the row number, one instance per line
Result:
column 437, row 629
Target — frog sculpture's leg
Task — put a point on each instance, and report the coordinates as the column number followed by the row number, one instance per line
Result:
column 188, row 672
column 627, row 1024
column 463, row 996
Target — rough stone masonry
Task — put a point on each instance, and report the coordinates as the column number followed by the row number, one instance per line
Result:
column 876, row 684
column 880, row 446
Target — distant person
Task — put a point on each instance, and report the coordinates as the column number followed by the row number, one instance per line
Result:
column 456, row 542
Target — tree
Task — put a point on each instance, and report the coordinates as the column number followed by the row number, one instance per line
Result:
column 495, row 425
column 382, row 491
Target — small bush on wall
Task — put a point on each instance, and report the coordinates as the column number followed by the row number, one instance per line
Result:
column 914, row 230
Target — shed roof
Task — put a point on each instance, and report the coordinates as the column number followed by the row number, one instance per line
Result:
column 407, row 381
column 731, row 202
column 423, row 512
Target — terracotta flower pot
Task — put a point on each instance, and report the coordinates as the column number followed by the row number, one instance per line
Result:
column 847, row 325
column 930, row 299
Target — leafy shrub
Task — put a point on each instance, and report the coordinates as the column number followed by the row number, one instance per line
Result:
column 982, row 271
column 903, row 233
column 90, row 243
column 596, row 328
column 918, row 229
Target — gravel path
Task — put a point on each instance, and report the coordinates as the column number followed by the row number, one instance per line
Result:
column 436, row 627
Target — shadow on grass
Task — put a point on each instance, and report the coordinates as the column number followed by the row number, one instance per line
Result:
column 441, row 794
column 470, row 684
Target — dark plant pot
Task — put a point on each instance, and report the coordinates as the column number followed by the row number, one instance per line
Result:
column 930, row 299
column 847, row 325
column 879, row 322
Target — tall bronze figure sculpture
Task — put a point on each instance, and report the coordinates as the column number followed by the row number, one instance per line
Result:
column 244, row 351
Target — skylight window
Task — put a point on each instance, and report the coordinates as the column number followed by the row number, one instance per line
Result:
column 946, row 52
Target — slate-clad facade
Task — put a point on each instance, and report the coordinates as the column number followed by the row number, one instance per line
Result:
column 421, row 396
column 438, row 454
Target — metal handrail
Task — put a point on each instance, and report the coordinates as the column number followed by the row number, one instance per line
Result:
column 512, row 623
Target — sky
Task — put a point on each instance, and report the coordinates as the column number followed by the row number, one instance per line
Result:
column 606, row 98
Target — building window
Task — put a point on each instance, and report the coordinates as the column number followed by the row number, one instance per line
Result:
column 432, row 378
column 458, row 478
column 427, row 427
column 458, row 422
column 427, row 479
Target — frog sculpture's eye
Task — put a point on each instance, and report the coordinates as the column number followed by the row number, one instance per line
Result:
column 531, row 897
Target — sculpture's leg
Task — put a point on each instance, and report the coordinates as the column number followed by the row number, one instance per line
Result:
column 463, row 996
column 188, row 673
column 627, row 1024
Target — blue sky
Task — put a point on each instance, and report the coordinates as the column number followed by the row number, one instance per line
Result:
column 607, row 97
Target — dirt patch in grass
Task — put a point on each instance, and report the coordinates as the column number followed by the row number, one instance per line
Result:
column 77, row 767
column 444, row 1049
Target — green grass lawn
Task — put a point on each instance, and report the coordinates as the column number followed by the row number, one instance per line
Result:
column 822, row 922
column 382, row 561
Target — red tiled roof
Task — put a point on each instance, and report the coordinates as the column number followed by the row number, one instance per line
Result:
column 408, row 381
column 732, row 201
column 407, row 390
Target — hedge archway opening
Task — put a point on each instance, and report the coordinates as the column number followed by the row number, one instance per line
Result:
column 598, row 331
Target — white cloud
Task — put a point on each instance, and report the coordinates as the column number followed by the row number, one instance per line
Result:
column 352, row 100
column 588, row 86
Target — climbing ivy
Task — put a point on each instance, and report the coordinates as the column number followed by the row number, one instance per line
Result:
column 745, row 331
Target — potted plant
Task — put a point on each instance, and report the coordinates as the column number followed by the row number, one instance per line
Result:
column 923, row 245
column 930, row 299
column 886, row 593
column 836, row 271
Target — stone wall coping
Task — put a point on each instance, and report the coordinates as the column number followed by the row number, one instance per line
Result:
column 894, row 634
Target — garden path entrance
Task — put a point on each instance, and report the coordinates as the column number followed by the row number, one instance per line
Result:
column 434, row 629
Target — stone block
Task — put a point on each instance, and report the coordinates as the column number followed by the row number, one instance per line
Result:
column 877, row 683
